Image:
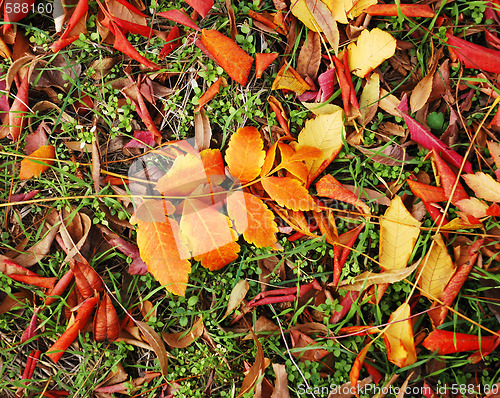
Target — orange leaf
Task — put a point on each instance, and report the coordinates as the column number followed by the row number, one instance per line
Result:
column 209, row 94
column 164, row 253
column 86, row 278
column 220, row 257
column 262, row 61
column 356, row 367
column 398, row 338
column 213, row 164
column 236, row 62
column 244, row 155
column 79, row 13
column 32, row 165
column 205, row 228
column 328, row 186
column 294, row 167
column 427, row 193
column 253, row 219
column 106, row 322
column 408, row 10
column 56, row 351
column 289, row 193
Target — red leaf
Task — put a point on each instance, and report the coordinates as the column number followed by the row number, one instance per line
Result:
column 171, row 44
column 133, row 27
column 493, row 210
column 202, row 6
column 492, row 39
column 131, row 8
column 236, row 62
column 31, row 329
column 35, row 280
column 262, row 61
column 19, row 109
column 59, row 288
column 123, row 45
column 449, row 342
column 14, row 16
column 61, row 43
column 142, row 139
column 180, row 16
column 474, row 56
column 36, row 139
column 448, row 179
column 106, row 323
column 425, row 138
column 80, row 10
column 408, row 10
column 87, row 279
column 427, row 193
column 346, row 303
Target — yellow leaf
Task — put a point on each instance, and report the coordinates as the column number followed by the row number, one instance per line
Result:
column 421, row 93
column 244, row 155
column 322, row 109
column 371, row 49
column 339, row 9
column 289, row 79
column 368, row 102
column 360, row 7
column 324, row 19
column 324, row 132
column 38, row 162
column 302, row 13
column 437, row 270
column 161, row 249
column 484, row 186
column 398, row 234
column 398, row 338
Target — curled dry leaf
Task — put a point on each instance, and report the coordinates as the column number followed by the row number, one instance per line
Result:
column 186, row 338
column 106, row 323
column 310, row 56
column 367, row 278
column 87, row 279
column 156, row 343
column 256, row 371
column 237, row 295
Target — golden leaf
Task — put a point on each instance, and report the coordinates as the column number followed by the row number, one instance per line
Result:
column 398, row 234
column 371, row 49
column 398, row 338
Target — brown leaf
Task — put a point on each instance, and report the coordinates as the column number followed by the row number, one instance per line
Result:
column 256, row 371
column 367, row 278
column 237, row 295
column 202, row 130
column 310, row 56
column 186, row 338
column 106, row 322
column 281, row 385
column 154, row 340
